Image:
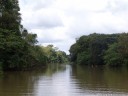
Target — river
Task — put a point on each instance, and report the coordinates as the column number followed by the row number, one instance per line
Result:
column 66, row 80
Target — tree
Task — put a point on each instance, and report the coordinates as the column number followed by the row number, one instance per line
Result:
column 112, row 56
column 61, row 57
column 123, row 47
column 10, row 17
column 18, row 49
column 54, row 55
column 89, row 50
column 12, row 49
column 117, row 53
column 73, row 52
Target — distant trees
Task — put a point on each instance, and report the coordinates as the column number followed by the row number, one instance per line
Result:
column 54, row 55
column 100, row 49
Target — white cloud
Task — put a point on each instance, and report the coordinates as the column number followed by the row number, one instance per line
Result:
column 59, row 22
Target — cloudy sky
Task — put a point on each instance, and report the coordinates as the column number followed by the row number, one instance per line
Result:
column 60, row 22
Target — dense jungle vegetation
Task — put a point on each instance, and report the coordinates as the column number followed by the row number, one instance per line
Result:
column 101, row 49
column 18, row 47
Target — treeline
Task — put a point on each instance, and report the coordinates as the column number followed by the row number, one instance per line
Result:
column 101, row 49
column 18, row 47
column 53, row 55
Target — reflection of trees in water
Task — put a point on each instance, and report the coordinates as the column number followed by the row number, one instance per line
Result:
column 117, row 78
column 101, row 78
column 17, row 83
column 53, row 68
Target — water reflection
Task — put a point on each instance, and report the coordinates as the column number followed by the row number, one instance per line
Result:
column 101, row 79
column 25, row 83
column 65, row 80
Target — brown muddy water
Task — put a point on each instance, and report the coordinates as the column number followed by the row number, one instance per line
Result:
column 66, row 80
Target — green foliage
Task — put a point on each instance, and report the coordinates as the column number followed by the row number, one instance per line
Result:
column 123, row 47
column 112, row 56
column 12, row 49
column 83, row 58
column 90, row 49
column 10, row 17
column 61, row 57
column 12, row 46
column 97, row 49
column 18, row 53
column 18, row 49
column 54, row 55
column 73, row 52
column 117, row 53
column 38, row 55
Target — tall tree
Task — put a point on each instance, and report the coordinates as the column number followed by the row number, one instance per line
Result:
column 12, row 46
column 9, row 15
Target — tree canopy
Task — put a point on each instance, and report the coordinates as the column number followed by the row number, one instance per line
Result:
column 101, row 49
